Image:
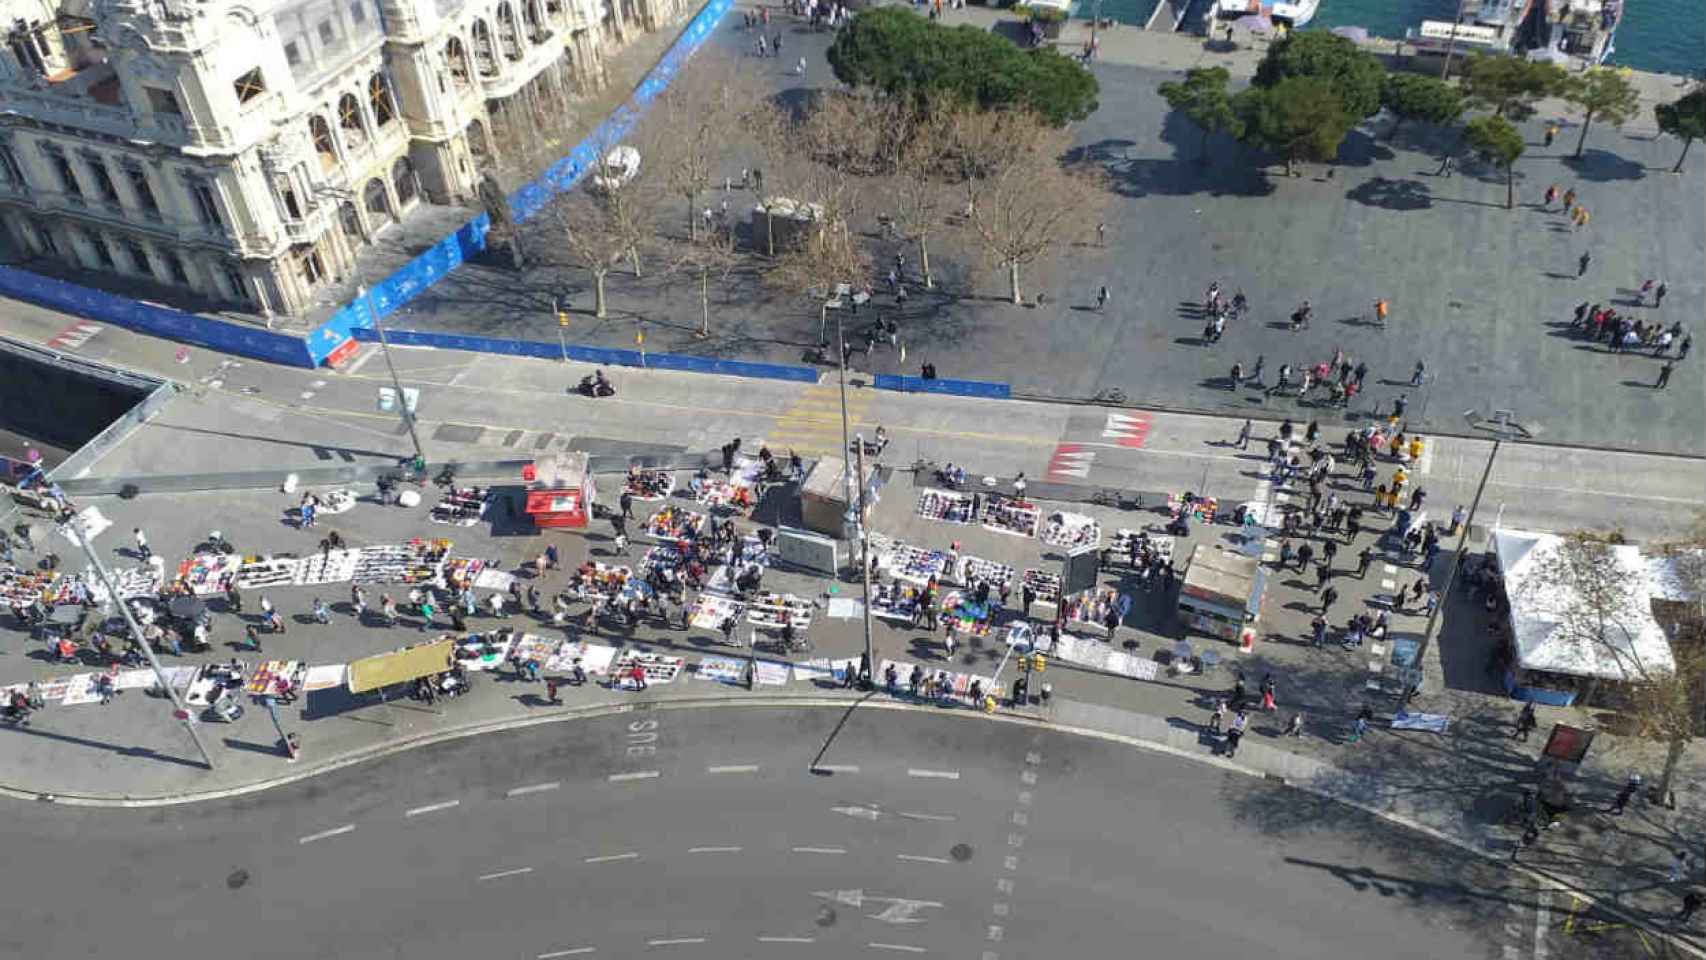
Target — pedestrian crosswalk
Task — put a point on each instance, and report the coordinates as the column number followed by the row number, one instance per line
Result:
column 75, row 335
column 812, row 424
column 1127, row 429
column 1070, row 462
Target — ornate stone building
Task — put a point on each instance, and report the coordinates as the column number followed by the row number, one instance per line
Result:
column 247, row 151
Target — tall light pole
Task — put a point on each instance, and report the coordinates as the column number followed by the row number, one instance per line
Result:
column 1451, row 43
column 850, row 521
column 366, row 295
column 864, row 555
column 1502, row 429
column 73, row 531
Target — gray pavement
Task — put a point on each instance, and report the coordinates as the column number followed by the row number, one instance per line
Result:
column 931, row 837
column 1479, row 293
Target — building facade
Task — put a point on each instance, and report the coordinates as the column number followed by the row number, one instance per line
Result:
column 247, row 152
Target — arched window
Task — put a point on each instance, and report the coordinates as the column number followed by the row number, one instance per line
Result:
column 485, row 51
column 403, row 181
column 379, row 98
column 320, row 132
column 535, row 24
column 456, row 61
column 350, row 220
column 507, row 32
column 374, row 199
column 350, row 120
column 477, row 144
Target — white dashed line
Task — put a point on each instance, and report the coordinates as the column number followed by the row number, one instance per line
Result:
column 942, row 817
column 934, row 774
column 819, row 850
column 1542, row 919
column 571, row 952
column 1388, row 584
column 787, row 939
column 1388, row 569
column 836, row 768
column 902, row 947
column 736, row 768
column 535, row 788
column 675, row 942
column 612, row 858
column 914, row 858
column 346, row 828
column 713, row 849
column 431, row 808
column 506, row 873
column 636, row 775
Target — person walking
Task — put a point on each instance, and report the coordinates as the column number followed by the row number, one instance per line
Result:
column 426, row 611
column 1235, row 733
column 1295, row 727
column 1621, row 801
column 1690, row 905
column 626, row 503
column 1217, row 716
column 1268, row 688
column 1551, row 195
column 1570, row 199
column 1102, row 298
column 1551, row 133
column 1664, row 375
column 1364, row 559
column 1419, row 374
column 1360, row 725
column 1525, row 722
column 1659, row 293
column 142, row 551
column 1244, row 436
column 1328, row 597
column 1582, row 263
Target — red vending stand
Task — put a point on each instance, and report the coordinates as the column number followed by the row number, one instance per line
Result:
column 560, row 491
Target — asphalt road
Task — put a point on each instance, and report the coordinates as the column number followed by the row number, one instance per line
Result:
column 706, row 834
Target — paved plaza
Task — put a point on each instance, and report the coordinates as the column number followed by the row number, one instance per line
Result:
column 1479, row 294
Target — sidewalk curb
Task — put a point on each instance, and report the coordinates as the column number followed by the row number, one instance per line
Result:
column 867, row 700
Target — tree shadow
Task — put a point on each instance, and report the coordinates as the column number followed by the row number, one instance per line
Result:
column 1390, row 194
column 1603, row 166
column 1359, row 149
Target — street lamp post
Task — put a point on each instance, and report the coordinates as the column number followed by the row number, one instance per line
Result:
column 366, row 295
column 1503, row 430
column 1451, row 43
column 850, row 520
column 74, row 532
column 865, row 557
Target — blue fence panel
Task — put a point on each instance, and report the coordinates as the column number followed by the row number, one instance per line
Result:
column 432, row 266
column 607, row 356
column 236, row 338
column 959, row 388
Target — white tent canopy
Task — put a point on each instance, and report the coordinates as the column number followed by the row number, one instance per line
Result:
column 1637, row 646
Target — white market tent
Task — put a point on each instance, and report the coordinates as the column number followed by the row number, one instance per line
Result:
column 1542, row 643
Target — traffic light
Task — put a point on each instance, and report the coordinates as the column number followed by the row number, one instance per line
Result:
column 562, row 318
column 1039, row 664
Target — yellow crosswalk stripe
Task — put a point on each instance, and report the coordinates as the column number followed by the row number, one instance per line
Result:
column 812, row 423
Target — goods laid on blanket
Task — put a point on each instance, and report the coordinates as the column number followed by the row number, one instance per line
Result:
column 1201, row 509
column 645, row 484
column 947, row 506
column 1072, row 530
column 460, row 572
column 1090, row 610
column 206, row 574
column 1041, row 592
column 974, row 570
column 418, row 561
column 769, row 611
column 278, row 677
column 461, row 506
column 894, row 600
column 593, row 581
column 966, row 615
column 330, row 566
column 1146, row 548
column 734, row 491
column 1004, row 514
column 913, row 564
column 710, row 611
column 657, row 668
column 675, row 523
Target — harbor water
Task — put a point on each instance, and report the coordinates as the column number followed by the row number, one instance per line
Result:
column 1660, row 36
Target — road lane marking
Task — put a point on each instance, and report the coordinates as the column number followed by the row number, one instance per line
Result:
column 346, row 828
column 612, row 858
column 713, row 849
column 915, row 858
column 836, row 768
column 787, row 939
column 677, row 941
column 819, row 850
column 534, row 788
column 943, row 817
column 934, row 774
column 571, row 952
column 902, row 947
column 1542, row 919
column 735, row 768
column 637, row 775
column 431, row 808
column 506, row 873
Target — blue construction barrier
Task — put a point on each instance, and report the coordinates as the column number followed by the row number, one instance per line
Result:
column 607, row 356
column 958, row 388
column 432, row 266
column 225, row 336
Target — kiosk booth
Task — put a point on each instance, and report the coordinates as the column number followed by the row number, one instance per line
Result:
column 1221, row 593
column 823, row 495
column 560, row 491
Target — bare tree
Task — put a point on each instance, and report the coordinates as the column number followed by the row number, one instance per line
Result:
column 1673, row 708
column 710, row 257
column 919, row 192
column 606, row 219
column 690, row 125
column 1021, row 202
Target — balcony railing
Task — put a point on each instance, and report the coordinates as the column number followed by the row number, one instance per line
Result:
column 80, row 114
